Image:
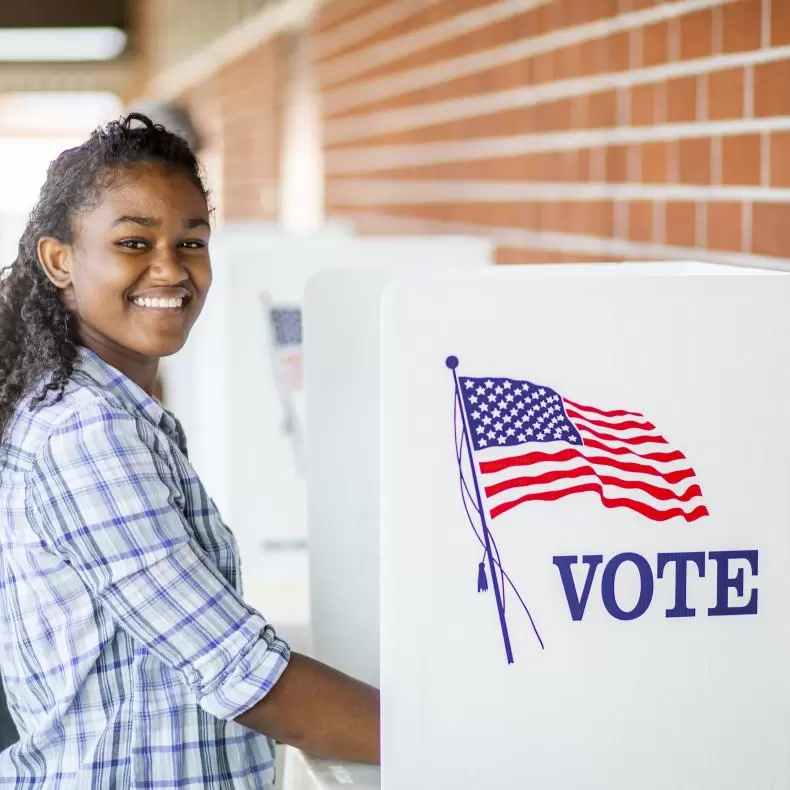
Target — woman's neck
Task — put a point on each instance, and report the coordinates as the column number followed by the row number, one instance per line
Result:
column 140, row 369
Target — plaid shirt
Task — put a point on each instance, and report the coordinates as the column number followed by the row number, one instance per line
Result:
column 125, row 645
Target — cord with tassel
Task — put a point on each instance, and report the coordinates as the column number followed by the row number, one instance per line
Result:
column 482, row 579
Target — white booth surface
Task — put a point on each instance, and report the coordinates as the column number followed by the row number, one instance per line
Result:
column 301, row 771
column 580, row 536
column 237, row 386
column 342, row 309
column 585, row 530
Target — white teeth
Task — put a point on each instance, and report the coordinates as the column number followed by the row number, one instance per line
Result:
column 159, row 303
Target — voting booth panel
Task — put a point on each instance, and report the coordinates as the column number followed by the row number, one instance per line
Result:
column 343, row 366
column 342, row 313
column 584, row 531
column 238, row 387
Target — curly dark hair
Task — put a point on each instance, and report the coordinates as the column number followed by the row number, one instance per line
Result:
column 37, row 331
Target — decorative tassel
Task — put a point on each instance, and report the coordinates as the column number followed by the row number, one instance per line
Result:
column 482, row 579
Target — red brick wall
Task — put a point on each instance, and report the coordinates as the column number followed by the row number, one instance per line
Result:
column 566, row 129
column 239, row 114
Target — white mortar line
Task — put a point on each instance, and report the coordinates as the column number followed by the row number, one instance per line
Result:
column 377, row 158
column 717, row 32
column 580, row 113
column 379, row 88
column 701, row 235
column 748, row 92
column 636, row 46
column 405, row 192
column 673, row 162
column 634, row 165
column 659, row 221
column 765, row 160
column 673, row 39
column 623, row 105
column 702, row 97
column 660, row 103
column 765, row 30
column 716, row 160
column 598, row 164
column 746, row 227
column 621, row 220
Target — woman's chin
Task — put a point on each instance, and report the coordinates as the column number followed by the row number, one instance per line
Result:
column 161, row 345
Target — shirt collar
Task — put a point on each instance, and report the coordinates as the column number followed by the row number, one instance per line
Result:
column 132, row 396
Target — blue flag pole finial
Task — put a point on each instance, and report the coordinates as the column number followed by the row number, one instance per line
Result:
column 482, row 579
column 451, row 362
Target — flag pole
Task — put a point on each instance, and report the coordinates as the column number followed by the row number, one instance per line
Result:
column 452, row 363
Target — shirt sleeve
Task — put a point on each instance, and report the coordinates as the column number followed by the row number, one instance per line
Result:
column 111, row 506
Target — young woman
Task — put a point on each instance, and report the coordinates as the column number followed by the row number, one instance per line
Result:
column 129, row 657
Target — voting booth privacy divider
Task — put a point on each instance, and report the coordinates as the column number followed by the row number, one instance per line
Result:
column 238, row 388
column 579, row 534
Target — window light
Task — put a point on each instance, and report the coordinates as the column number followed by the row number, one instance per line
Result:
column 61, row 43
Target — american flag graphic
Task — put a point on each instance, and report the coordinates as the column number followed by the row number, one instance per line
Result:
column 519, row 442
column 531, row 443
column 286, row 325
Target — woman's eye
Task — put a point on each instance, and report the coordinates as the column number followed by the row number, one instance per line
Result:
column 193, row 244
column 132, row 244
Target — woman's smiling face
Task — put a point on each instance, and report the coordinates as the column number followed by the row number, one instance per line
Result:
column 138, row 270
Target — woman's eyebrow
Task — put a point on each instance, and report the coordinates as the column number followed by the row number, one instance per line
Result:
column 155, row 222
column 146, row 222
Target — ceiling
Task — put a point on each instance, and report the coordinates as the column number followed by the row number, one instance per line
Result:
column 57, row 13
column 113, row 76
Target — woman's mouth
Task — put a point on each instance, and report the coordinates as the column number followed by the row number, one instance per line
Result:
column 173, row 303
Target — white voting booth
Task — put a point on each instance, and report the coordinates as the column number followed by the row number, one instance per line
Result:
column 300, row 771
column 343, row 308
column 237, row 387
column 587, row 588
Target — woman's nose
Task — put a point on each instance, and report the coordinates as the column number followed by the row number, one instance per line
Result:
column 168, row 266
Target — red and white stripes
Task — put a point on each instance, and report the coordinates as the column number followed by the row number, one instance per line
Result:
column 625, row 461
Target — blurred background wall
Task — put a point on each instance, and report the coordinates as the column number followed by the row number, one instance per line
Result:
column 576, row 130
column 571, row 130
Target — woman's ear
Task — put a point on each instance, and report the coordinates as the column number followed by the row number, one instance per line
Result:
column 55, row 257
